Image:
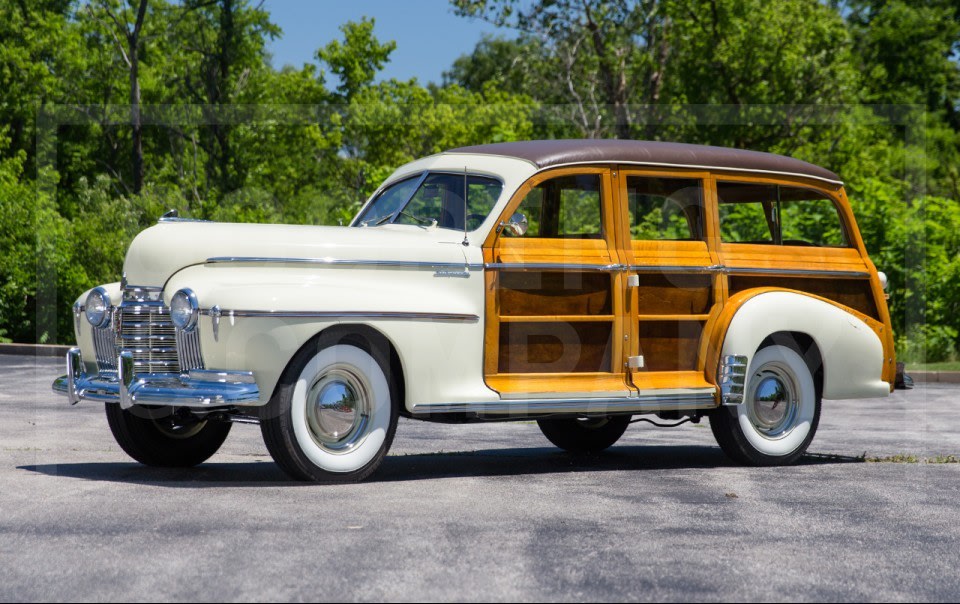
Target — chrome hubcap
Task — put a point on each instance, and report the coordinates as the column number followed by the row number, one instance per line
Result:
column 774, row 403
column 338, row 410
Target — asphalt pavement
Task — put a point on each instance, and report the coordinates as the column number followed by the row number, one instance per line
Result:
column 484, row 512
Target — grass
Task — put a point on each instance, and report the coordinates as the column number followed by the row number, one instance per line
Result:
column 901, row 458
column 943, row 366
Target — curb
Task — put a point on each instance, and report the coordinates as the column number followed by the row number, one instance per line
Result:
column 34, row 350
column 932, row 377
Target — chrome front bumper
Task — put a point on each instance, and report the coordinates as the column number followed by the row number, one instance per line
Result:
column 202, row 389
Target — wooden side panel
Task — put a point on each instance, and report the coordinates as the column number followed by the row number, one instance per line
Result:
column 670, row 345
column 524, row 293
column 855, row 293
column 674, row 294
column 555, row 347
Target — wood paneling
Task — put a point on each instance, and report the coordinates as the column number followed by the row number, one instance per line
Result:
column 855, row 293
column 670, row 345
column 667, row 294
column 555, row 347
column 555, row 293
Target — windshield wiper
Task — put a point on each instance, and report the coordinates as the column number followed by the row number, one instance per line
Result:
column 429, row 221
column 379, row 221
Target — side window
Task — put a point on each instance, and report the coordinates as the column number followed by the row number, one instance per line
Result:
column 567, row 207
column 669, row 209
column 782, row 215
column 747, row 212
column 810, row 218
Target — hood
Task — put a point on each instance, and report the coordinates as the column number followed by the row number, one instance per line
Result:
column 162, row 250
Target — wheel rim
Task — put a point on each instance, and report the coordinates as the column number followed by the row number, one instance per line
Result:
column 177, row 431
column 338, row 409
column 592, row 423
column 774, row 402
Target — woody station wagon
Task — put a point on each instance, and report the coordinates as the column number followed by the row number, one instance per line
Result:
column 577, row 283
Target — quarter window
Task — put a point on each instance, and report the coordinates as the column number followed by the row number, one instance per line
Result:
column 780, row 215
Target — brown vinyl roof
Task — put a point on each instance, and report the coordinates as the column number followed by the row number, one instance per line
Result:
column 549, row 153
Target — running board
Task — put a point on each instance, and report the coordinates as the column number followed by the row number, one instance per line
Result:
column 687, row 399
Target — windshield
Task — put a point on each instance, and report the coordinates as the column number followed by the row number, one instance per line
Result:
column 434, row 200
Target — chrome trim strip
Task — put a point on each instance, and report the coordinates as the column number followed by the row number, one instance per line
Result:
column 799, row 272
column 545, row 266
column 704, row 398
column 690, row 167
column 340, row 262
column 222, row 377
column 646, row 268
column 311, row 314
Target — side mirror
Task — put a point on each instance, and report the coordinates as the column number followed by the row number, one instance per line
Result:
column 516, row 226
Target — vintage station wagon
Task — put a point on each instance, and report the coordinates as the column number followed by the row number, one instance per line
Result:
column 580, row 283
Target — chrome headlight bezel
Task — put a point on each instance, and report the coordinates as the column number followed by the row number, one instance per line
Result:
column 97, row 307
column 184, row 310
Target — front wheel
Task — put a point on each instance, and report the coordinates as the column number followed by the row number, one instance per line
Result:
column 779, row 415
column 584, row 435
column 334, row 414
column 157, row 437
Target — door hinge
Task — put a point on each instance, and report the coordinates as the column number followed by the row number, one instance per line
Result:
column 635, row 362
column 633, row 281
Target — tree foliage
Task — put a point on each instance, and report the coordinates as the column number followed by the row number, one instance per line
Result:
column 869, row 88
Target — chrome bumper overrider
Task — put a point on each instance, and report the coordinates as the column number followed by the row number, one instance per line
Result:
column 198, row 388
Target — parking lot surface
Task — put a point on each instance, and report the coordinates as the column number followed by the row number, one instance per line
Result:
column 484, row 512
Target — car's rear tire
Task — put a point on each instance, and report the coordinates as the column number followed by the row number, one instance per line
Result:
column 157, row 437
column 584, row 435
column 334, row 413
column 779, row 415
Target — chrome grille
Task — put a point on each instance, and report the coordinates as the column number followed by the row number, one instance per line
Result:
column 146, row 331
column 105, row 346
column 188, row 350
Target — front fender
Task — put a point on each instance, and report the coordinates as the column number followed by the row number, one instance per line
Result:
column 851, row 349
column 442, row 360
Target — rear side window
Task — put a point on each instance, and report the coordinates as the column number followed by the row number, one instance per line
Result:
column 568, row 207
column 810, row 218
column 666, row 209
column 778, row 215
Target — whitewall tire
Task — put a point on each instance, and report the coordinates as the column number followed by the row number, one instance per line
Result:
column 335, row 411
column 779, row 415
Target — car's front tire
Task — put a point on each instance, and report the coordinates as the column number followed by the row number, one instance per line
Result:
column 584, row 435
column 334, row 413
column 157, row 437
column 779, row 415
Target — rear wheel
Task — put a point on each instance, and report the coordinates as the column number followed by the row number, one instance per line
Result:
column 585, row 435
column 779, row 415
column 158, row 437
column 334, row 414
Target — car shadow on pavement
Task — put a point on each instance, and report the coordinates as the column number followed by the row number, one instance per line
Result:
column 424, row 466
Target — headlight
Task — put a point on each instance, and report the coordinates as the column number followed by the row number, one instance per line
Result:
column 184, row 310
column 98, row 307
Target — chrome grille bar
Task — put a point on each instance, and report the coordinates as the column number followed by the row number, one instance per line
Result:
column 188, row 350
column 105, row 346
column 148, row 334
